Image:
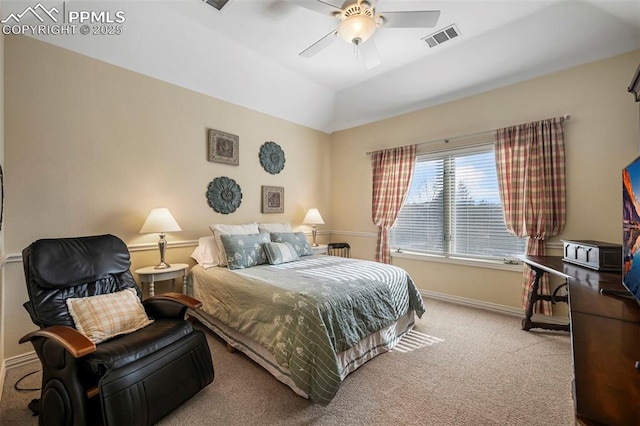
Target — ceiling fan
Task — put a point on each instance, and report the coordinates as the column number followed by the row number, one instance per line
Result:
column 359, row 21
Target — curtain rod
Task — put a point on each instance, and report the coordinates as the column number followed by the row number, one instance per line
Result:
column 468, row 135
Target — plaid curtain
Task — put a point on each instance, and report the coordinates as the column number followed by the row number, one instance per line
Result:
column 392, row 173
column 531, row 177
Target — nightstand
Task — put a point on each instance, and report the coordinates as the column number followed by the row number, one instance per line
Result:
column 321, row 249
column 150, row 275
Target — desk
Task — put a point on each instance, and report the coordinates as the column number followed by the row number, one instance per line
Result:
column 605, row 342
column 541, row 265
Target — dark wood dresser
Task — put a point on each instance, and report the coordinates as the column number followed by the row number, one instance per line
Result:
column 605, row 338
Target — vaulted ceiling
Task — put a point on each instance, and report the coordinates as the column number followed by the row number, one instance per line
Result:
column 247, row 52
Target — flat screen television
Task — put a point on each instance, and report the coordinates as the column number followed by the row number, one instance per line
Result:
column 631, row 228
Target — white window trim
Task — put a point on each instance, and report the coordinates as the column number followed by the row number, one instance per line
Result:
column 454, row 260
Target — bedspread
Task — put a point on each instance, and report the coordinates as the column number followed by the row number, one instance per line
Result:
column 306, row 312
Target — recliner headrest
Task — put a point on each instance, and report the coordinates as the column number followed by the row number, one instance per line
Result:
column 67, row 262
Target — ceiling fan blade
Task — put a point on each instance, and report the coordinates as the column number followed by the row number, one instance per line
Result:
column 319, row 45
column 335, row 3
column 370, row 55
column 415, row 19
column 326, row 7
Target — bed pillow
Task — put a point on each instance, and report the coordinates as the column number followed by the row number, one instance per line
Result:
column 278, row 253
column 297, row 239
column 275, row 227
column 244, row 251
column 206, row 254
column 222, row 229
column 108, row 315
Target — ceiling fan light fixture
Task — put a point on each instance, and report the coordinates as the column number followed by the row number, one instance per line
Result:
column 358, row 23
column 357, row 29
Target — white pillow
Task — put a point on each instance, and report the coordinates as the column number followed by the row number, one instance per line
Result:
column 274, row 227
column 220, row 229
column 206, row 254
column 108, row 315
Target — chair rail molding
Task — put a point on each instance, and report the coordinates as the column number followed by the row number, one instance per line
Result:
column 154, row 246
column 12, row 258
column 356, row 233
column 17, row 257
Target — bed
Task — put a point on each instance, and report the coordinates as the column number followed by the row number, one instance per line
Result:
column 309, row 322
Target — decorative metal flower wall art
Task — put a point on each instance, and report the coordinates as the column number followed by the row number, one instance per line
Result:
column 272, row 157
column 224, row 195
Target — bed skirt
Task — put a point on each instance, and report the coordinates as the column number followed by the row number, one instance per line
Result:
column 375, row 344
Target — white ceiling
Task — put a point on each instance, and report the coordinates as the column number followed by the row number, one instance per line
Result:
column 247, row 54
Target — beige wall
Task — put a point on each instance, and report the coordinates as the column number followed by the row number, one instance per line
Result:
column 601, row 138
column 92, row 148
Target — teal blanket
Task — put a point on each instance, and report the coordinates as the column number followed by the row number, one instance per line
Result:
column 307, row 312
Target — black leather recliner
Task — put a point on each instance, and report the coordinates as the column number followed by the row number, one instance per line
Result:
column 132, row 379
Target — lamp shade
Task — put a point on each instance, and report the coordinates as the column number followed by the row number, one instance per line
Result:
column 356, row 29
column 313, row 218
column 160, row 220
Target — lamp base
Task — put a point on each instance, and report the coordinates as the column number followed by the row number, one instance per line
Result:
column 162, row 245
column 162, row 265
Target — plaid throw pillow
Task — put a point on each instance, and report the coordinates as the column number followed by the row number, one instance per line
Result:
column 108, row 315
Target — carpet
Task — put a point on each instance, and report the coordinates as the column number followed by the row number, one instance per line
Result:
column 459, row 366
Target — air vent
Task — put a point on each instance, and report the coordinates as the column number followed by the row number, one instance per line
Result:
column 441, row 36
column 217, row 4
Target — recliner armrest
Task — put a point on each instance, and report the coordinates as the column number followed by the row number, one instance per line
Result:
column 187, row 301
column 76, row 343
column 170, row 305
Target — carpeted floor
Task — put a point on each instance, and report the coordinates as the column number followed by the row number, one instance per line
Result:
column 461, row 366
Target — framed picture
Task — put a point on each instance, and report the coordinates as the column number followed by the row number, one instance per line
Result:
column 223, row 147
column 272, row 199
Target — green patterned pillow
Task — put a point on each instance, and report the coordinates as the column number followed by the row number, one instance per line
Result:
column 298, row 240
column 244, row 251
column 278, row 253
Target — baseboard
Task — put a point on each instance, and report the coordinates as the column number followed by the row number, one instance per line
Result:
column 20, row 360
column 494, row 307
column 14, row 362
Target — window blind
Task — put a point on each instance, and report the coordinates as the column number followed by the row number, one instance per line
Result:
column 453, row 207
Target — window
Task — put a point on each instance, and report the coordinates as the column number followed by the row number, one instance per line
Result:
column 453, row 207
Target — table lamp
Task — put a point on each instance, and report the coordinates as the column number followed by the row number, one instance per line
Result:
column 160, row 220
column 313, row 218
